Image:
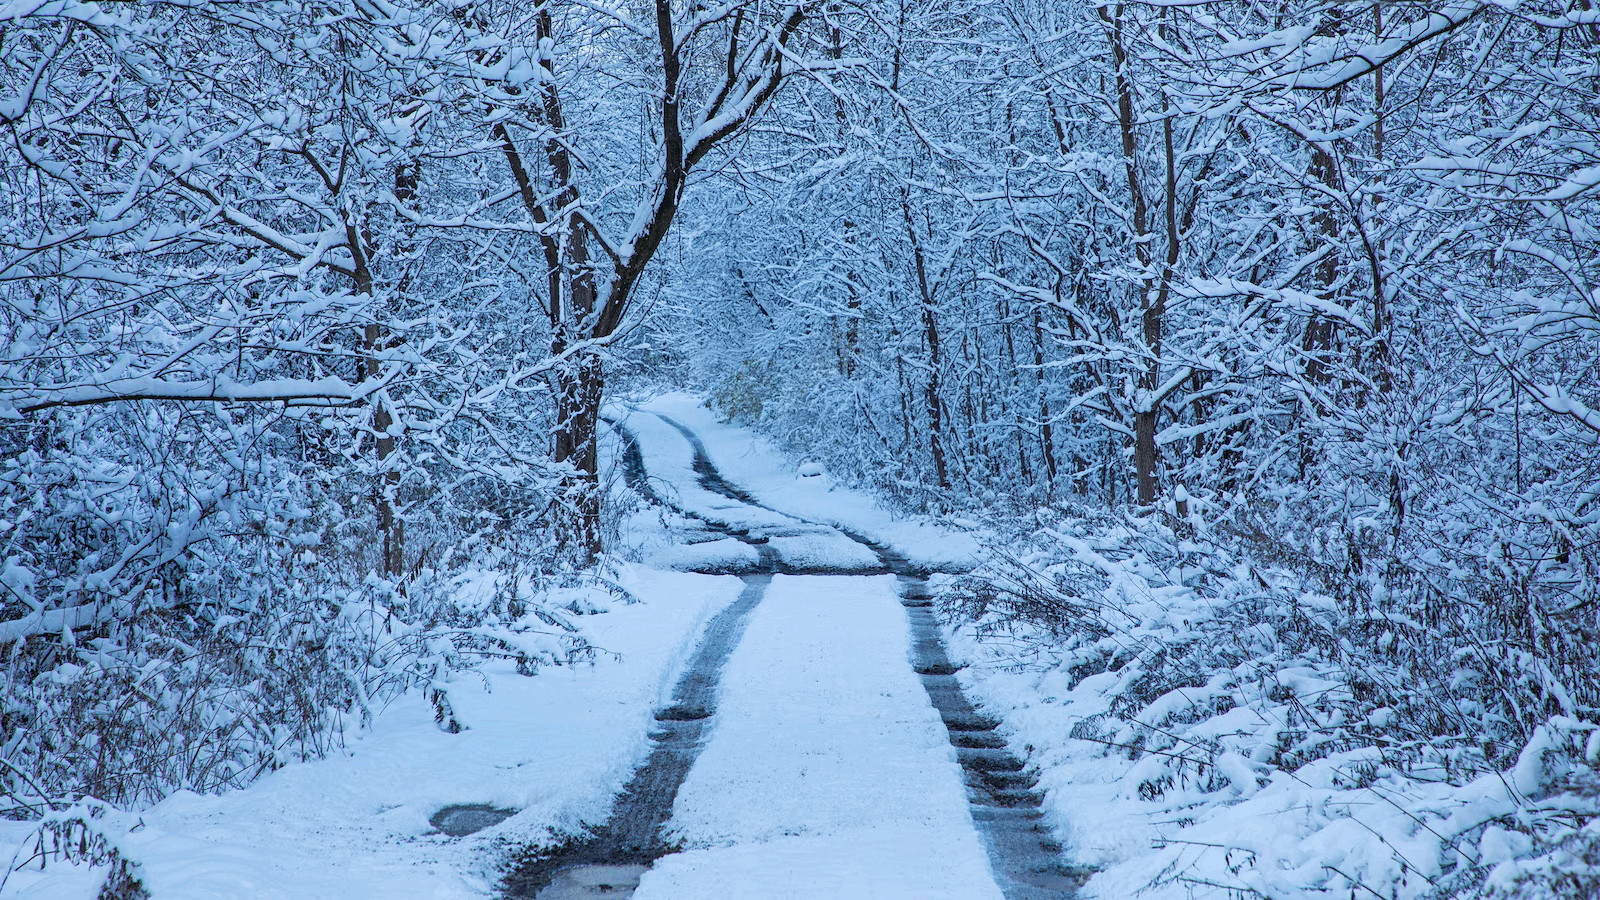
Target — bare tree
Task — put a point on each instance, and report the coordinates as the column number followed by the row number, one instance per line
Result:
column 602, row 173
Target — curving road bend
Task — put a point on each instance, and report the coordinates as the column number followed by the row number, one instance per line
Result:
column 819, row 743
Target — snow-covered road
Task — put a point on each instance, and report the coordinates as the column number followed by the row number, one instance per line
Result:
column 794, row 734
column 831, row 768
column 827, row 774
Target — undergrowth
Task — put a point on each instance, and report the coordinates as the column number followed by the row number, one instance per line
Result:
column 1415, row 739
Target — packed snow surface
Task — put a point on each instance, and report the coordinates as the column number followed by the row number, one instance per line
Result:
column 828, row 773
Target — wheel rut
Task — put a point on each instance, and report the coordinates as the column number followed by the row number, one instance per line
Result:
column 609, row 861
column 1024, row 856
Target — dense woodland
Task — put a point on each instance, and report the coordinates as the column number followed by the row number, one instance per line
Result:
column 307, row 307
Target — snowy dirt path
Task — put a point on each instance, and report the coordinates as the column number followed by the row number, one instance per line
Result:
column 828, row 774
column 839, row 756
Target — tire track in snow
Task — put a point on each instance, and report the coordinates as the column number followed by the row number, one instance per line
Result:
column 1024, row 857
column 1023, row 853
column 609, row 862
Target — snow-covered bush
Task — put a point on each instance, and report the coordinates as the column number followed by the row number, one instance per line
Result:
column 85, row 832
column 1302, row 741
column 190, row 606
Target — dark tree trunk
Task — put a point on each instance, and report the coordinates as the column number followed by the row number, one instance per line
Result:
column 374, row 337
column 1047, row 441
column 579, row 386
column 930, row 327
column 1144, row 420
column 930, row 333
column 1144, row 455
column 581, row 315
column 391, row 529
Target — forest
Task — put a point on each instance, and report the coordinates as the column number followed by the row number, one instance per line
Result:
column 310, row 309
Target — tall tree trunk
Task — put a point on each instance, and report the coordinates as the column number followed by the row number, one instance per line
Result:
column 579, row 384
column 374, row 338
column 391, row 530
column 1047, row 441
column 1317, row 342
column 1150, row 311
column 930, row 333
column 1380, row 315
column 579, row 387
column 1008, row 408
column 1146, row 452
column 852, row 328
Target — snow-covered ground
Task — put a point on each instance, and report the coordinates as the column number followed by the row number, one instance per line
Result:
column 828, row 773
column 557, row 746
column 784, row 485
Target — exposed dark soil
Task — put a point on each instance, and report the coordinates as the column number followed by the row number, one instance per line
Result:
column 1024, row 856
